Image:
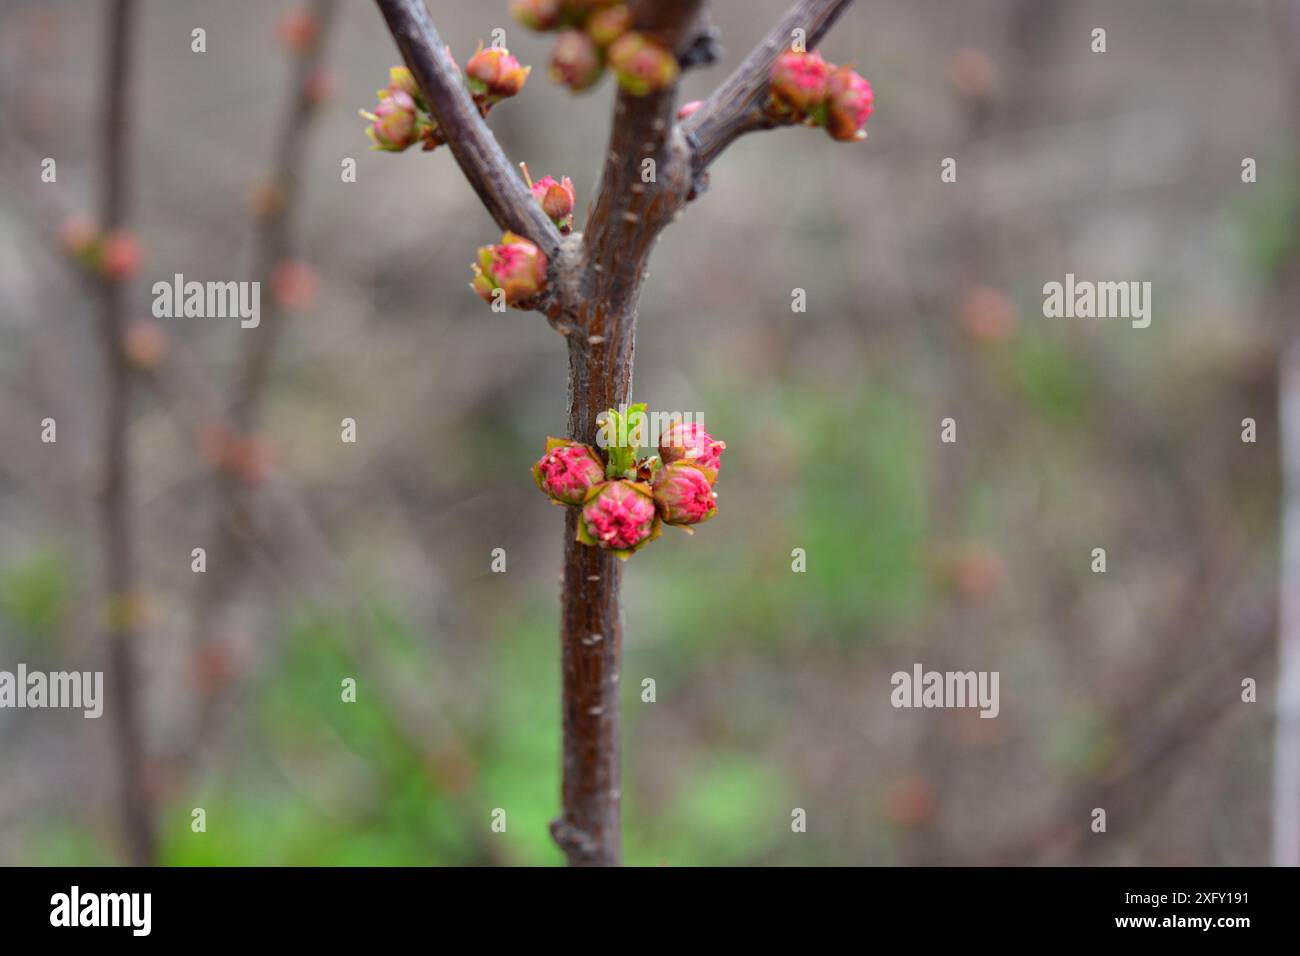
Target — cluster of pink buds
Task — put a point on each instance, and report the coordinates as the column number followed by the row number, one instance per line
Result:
column 514, row 270
column 625, row 497
column 556, row 197
column 807, row 89
column 594, row 34
column 114, row 255
column 403, row 117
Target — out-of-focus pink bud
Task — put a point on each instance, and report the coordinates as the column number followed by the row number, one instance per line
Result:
column 298, row 30
column 800, row 82
column 575, row 60
column 557, row 200
column 973, row 74
column 393, row 124
column 619, row 516
column 319, row 86
column 683, row 492
column 145, row 344
column 568, row 470
column 494, row 74
column 244, row 457
column 688, row 441
column 987, row 315
column 121, row 255
column 686, row 109
column 910, row 801
column 606, row 26
column 975, row 572
column 265, row 200
column 294, row 285
column 642, row 65
column 79, row 236
column 537, row 14
column 515, row 266
column 850, row 102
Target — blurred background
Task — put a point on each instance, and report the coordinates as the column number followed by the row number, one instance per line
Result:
column 372, row 560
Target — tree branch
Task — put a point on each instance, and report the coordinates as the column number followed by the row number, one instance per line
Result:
column 628, row 211
column 737, row 106
column 116, row 508
column 499, row 186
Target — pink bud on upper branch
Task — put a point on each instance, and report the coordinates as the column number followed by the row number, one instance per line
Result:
column 642, row 65
column 595, row 34
column 557, row 199
column 403, row 117
column 494, row 75
column 513, row 269
column 809, row 90
column 576, row 61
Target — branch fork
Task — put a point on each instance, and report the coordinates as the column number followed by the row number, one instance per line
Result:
column 593, row 284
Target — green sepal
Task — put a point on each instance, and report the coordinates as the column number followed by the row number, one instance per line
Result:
column 621, row 459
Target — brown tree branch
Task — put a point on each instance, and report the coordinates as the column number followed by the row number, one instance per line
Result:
column 737, row 106
column 650, row 168
column 628, row 214
column 115, row 502
column 480, row 157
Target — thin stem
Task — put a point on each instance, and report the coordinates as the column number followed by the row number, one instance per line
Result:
column 737, row 106
column 477, row 151
column 115, row 501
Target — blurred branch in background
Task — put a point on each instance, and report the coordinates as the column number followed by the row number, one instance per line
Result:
column 1286, row 285
column 124, row 602
column 237, row 454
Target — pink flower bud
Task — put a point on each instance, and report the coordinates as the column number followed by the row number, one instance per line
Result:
column 298, row 30
column 606, row 26
column 568, row 470
column 642, row 65
column 800, row 82
column 987, row 315
column 557, row 200
column 683, row 493
column 850, row 102
column 319, row 86
column 575, row 61
column 393, row 124
column 686, row 109
column 515, row 266
column 537, row 14
column 689, row 441
column 121, row 255
column 145, row 344
column 493, row 74
column 619, row 516
column 294, row 285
